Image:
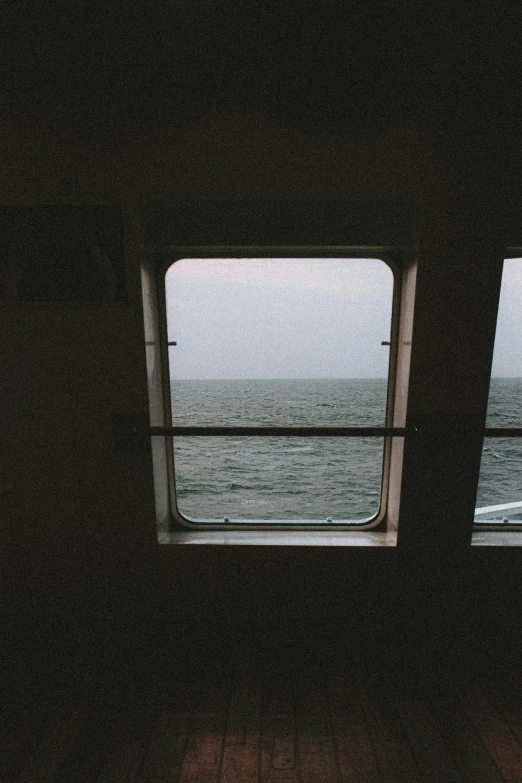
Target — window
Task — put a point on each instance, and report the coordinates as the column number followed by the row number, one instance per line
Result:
column 499, row 495
column 264, row 346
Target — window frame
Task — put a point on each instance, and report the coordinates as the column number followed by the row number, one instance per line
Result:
column 491, row 525
column 163, row 259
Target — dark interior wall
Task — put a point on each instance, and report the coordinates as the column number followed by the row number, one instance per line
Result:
column 78, row 530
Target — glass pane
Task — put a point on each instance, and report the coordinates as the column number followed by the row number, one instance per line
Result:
column 279, row 342
column 278, row 478
column 499, row 495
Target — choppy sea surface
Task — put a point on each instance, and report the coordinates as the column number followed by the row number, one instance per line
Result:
column 501, row 466
column 309, row 478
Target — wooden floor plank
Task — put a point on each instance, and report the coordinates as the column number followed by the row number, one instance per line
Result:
column 389, row 740
column 202, row 757
column 298, row 727
column 496, row 735
column 471, row 758
column 244, row 711
column 355, row 755
column 317, row 755
column 278, row 738
column 240, row 762
column 204, row 747
column 431, row 753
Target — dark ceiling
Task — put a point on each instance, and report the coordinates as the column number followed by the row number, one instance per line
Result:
column 96, row 63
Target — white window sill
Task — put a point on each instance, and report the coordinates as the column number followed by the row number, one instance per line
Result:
column 494, row 538
column 280, row 538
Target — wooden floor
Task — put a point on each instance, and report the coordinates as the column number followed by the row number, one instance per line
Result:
column 117, row 715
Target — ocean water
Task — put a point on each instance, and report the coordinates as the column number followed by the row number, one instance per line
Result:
column 309, row 478
column 501, row 466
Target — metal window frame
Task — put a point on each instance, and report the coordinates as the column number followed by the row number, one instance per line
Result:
column 501, row 432
column 393, row 257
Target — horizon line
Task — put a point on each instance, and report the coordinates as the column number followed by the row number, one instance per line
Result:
column 322, row 378
column 280, row 378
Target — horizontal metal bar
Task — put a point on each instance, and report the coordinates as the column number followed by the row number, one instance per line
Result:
column 287, row 432
column 503, row 432
column 325, row 432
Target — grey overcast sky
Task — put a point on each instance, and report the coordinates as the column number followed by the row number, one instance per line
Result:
column 279, row 318
column 507, row 356
column 301, row 318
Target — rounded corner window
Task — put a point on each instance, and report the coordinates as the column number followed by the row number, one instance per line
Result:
column 278, row 340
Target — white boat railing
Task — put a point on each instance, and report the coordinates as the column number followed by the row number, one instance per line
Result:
column 503, row 513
